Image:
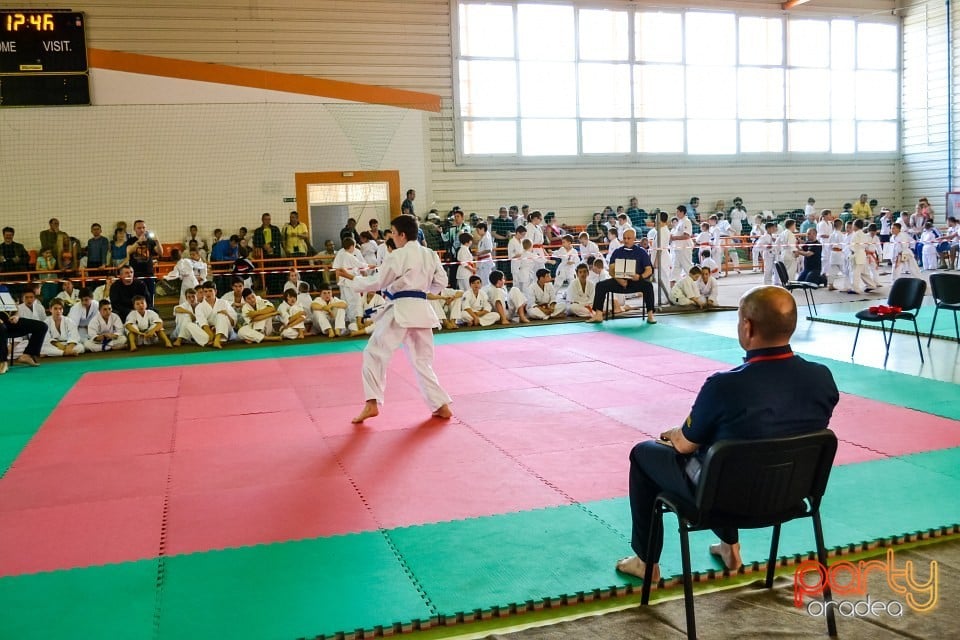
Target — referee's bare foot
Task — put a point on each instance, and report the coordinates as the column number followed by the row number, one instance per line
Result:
column 28, row 360
column 370, row 409
column 443, row 412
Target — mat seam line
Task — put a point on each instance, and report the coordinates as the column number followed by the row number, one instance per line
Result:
column 164, row 523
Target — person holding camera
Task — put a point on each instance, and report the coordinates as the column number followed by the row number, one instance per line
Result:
column 143, row 250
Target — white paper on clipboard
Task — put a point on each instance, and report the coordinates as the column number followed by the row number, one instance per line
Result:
column 624, row 268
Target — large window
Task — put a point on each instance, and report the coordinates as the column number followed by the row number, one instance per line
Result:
column 565, row 80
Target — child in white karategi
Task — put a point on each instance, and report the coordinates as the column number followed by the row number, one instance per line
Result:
column 69, row 296
column 613, row 241
column 191, row 271
column 929, row 238
column 83, row 313
column 568, row 261
column 216, row 316
column 903, row 258
column 756, row 230
column 523, row 270
column 368, row 248
column 185, row 319
column 372, row 303
column 62, row 337
column 329, row 314
column 787, row 243
column 579, row 294
column 836, row 276
column 467, row 266
column 767, row 250
column 704, row 239
column 587, row 247
column 542, row 298
column 515, row 250
column 406, row 276
column 258, row 315
column 106, row 330
column 292, row 317
column 707, row 263
column 448, row 305
column 348, row 258
column 484, row 252
column 509, row 305
column 293, row 280
column 306, row 301
column 598, row 273
column 859, row 274
column 476, row 310
column 686, row 291
column 709, row 288
column 144, row 326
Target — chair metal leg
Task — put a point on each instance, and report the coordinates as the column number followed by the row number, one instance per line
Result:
column 855, row 338
column 916, row 332
column 887, row 339
column 956, row 326
column 934, row 323
column 687, row 584
column 772, row 560
column 822, row 558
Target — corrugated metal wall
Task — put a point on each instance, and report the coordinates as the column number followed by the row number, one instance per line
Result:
column 924, row 103
column 408, row 45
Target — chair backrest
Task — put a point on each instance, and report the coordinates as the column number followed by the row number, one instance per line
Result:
column 907, row 293
column 781, row 271
column 756, row 481
column 945, row 287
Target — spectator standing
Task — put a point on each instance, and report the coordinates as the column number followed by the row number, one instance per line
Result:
column 98, row 248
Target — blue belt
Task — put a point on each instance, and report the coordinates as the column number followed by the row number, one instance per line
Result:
column 405, row 294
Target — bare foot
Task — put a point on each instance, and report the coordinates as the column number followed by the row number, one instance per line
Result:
column 634, row 566
column 370, row 410
column 178, row 342
column 443, row 413
column 729, row 554
column 216, row 343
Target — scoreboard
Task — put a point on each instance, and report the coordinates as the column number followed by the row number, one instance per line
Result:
column 43, row 58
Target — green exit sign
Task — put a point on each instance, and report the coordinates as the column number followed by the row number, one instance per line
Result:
column 289, row 199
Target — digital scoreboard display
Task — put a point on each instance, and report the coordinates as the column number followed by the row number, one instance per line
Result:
column 43, row 58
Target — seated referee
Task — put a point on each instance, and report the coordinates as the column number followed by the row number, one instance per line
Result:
column 13, row 326
column 635, row 277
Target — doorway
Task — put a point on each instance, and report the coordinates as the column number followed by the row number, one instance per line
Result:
column 325, row 200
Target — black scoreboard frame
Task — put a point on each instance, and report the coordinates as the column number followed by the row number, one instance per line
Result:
column 43, row 58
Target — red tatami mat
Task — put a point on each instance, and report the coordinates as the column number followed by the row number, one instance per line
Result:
column 249, row 453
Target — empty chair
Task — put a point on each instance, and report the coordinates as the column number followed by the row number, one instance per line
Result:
column 753, row 484
column 907, row 294
column 945, row 288
column 791, row 285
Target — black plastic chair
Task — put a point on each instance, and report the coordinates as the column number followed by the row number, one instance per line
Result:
column 945, row 288
column 792, row 285
column 906, row 293
column 753, row 484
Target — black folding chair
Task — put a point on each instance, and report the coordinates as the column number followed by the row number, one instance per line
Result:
column 945, row 288
column 753, row 484
column 792, row 285
column 906, row 293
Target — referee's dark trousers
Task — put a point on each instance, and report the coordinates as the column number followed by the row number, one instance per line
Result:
column 612, row 285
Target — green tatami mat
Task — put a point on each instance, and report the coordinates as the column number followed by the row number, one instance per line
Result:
column 944, row 329
column 115, row 601
column 482, row 563
column 945, row 461
column 288, row 590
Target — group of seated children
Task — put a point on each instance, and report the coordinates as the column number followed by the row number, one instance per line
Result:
column 696, row 289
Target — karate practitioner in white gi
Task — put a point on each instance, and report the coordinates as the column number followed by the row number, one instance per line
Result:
column 408, row 319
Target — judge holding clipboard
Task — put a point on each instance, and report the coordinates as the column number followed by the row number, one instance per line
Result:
column 630, row 270
column 13, row 326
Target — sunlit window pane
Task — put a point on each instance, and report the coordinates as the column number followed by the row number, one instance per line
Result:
column 606, row 137
column 759, row 137
column 710, row 38
column 545, row 32
column 761, row 40
column 486, row 30
column 843, row 136
column 659, row 37
column 808, row 92
column 876, row 46
column 711, row 91
column 842, row 44
column 489, row 136
column 877, row 95
column 488, row 88
column 548, row 89
column 604, row 35
column 843, row 100
column 660, row 136
column 876, row 136
column 808, row 43
column 711, row 136
column 760, row 93
column 808, row 136
column 548, row 137
column 658, row 91
column 604, row 90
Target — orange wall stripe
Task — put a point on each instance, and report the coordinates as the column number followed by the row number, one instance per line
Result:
column 260, row 79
